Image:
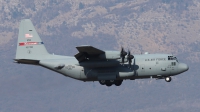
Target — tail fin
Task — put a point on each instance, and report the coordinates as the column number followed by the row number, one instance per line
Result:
column 29, row 46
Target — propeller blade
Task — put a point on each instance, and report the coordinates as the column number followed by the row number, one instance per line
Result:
column 129, row 53
column 130, row 57
column 123, row 53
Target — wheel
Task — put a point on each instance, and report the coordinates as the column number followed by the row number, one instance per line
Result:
column 168, row 79
column 118, row 82
column 112, row 81
column 102, row 82
column 109, row 82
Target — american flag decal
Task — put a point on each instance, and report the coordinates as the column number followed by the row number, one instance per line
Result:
column 30, row 43
column 28, row 35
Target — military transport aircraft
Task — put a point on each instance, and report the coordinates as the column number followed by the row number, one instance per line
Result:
column 92, row 64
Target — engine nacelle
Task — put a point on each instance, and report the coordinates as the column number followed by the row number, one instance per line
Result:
column 110, row 55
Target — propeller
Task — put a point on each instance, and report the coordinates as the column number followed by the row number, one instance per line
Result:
column 123, row 53
column 129, row 58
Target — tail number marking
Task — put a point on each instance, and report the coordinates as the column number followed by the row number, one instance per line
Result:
column 29, row 40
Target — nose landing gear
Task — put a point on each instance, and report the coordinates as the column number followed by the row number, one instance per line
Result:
column 111, row 82
column 168, row 79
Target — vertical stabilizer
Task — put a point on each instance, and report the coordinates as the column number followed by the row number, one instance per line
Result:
column 29, row 45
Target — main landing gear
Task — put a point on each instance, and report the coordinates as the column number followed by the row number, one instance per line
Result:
column 168, row 79
column 111, row 82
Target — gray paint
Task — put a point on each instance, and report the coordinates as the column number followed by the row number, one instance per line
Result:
column 143, row 66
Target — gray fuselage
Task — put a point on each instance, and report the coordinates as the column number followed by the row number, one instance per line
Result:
column 143, row 66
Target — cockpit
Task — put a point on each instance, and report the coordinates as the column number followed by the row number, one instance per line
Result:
column 172, row 58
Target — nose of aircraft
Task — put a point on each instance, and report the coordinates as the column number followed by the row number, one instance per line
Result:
column 183, row 67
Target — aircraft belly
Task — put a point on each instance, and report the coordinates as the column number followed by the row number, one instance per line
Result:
column 72, row 71
column 88, row 73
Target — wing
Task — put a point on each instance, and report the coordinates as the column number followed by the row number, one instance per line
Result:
column 86, row 52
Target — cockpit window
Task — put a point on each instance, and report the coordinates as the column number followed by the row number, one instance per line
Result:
column 175, row 59
column 172, row 58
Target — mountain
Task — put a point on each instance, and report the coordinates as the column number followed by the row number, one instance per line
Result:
column 165, row 26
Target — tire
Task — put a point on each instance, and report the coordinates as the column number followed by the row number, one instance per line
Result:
column 108, row 83
column 102, row 82
column 118, row 82
column 168, row 79
column 112, row 81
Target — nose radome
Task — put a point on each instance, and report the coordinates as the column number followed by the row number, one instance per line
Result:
column 183, row 67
